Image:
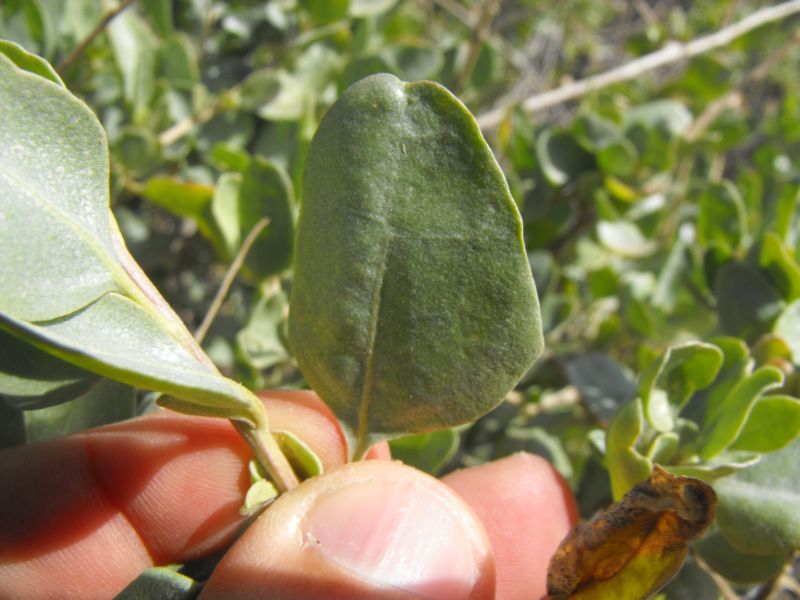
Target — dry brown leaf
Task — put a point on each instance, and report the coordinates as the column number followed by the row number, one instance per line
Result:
column 634, row 547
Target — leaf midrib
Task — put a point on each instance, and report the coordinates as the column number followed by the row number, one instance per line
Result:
column 372, row 333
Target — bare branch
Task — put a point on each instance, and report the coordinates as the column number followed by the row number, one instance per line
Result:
column 672, row 52
column 87, row 41
column 227, row 281
column 734, row 98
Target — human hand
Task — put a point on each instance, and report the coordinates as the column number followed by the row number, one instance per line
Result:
column 83, row 516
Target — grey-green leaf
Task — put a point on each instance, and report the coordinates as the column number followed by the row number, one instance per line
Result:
column 67, row 283
column 56, row 224
column 758, row 507
column 413, row 306
column 118, row 338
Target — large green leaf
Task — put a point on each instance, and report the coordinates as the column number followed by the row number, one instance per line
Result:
column 758, row 507
column 67, row 282
column 413, row 305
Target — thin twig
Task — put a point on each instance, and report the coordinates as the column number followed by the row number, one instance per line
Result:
column 497, row 42
column 672, row 52
column 480, row 33
column 86, row 42
column 725, row 589
column 227, row 281
column 734, row 97
column 184, row 126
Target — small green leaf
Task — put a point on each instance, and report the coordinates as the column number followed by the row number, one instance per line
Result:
column 225, row 211
column 723, row 426
column 29, row 62
column 182, row 198
column 135, row 52
column 260, row 343
column 261, row 493
column 773, row 423
column 626, row 465
column 178, row 61
column 668, row 383
column 266, row 191
column 624, row 238
column 757, row 510
column 413, row 306
column 560, row 157
column 736, row 365
column 721, row 465
column 427, row 452
column 302, row 458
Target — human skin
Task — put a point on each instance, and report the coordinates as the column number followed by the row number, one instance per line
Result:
column 82, row 516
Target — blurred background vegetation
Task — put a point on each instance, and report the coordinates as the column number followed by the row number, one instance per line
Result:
column 659, row 213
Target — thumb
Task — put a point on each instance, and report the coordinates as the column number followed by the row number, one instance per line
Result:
column 373, row 529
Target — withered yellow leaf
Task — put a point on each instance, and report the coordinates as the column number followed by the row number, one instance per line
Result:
column 634, row 547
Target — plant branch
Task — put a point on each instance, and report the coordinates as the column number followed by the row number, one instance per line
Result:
column 734, row 97
column 480, row 33
column 230, row 276
column 267, row 452
column 672, row 52
column 184, row 126
column 87, row 41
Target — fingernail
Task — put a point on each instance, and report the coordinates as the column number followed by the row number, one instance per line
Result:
column 395, row 534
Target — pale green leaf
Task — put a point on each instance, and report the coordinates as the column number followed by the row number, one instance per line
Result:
column 135, row 49
column 29, row 62
column 626, row 465
column 67, row 282
column 668, row 383
column 773, row 423
column 723, row 426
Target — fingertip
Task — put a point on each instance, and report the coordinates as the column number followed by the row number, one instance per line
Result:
column 365, row 530
column 527, row 509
